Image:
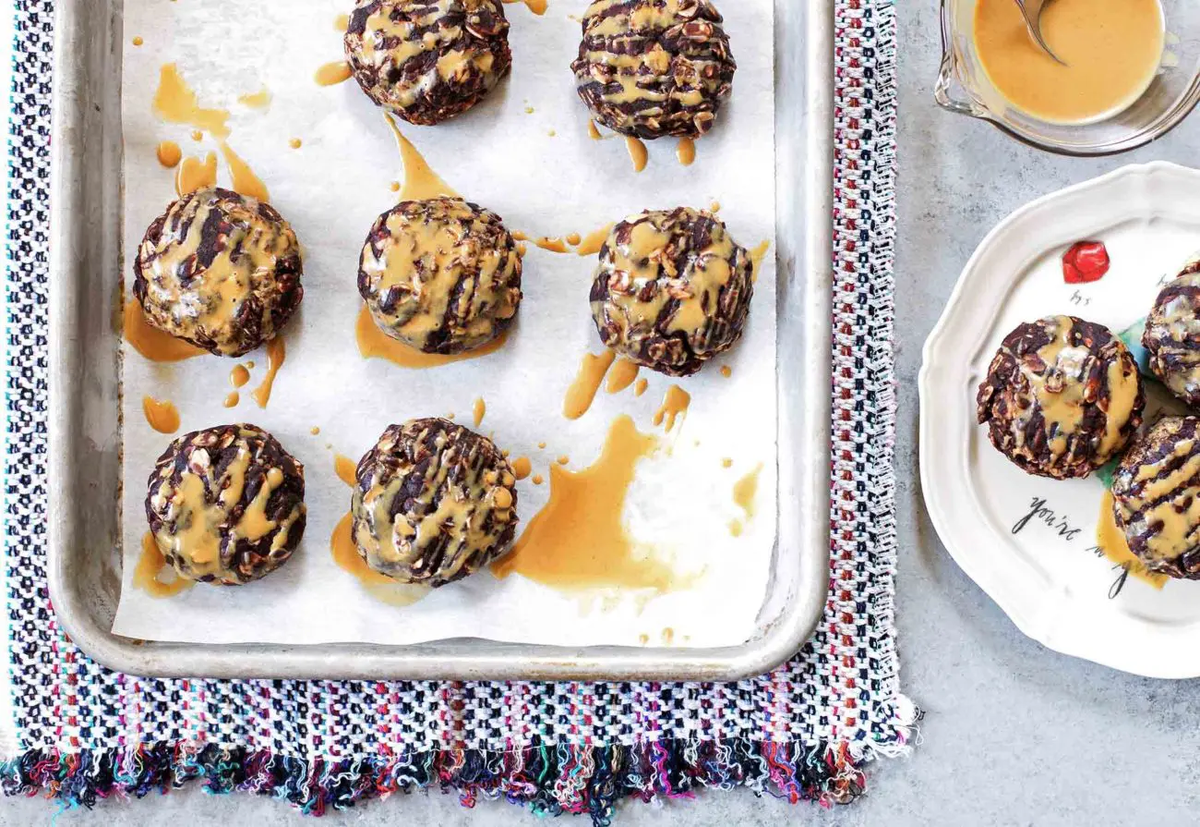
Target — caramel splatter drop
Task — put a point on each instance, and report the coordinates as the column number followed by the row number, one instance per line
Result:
column 331, row 74
column 347, row 469
column 686, row 151
column 522, row 467
column 276, row 354
column 380, row 586
column 538, row 7
column 583, row 391
column 554, row 245
column 169, row 154
column 239, row 376
column 137, row 41
column 232, row 400
column 162, row 415
column 314, row 430
column 675, row 404
column 623, row 374
column 479, row 409
column 341, row 22
column 537, row 479
column 641, row 387
column 637, row 152
column 726, row 371
column 295, row 143
column 256, row 100
column 593, row 131
column 564, row 460
column 593, row 241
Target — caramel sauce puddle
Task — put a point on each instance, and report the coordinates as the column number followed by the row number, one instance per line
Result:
column 579, row 540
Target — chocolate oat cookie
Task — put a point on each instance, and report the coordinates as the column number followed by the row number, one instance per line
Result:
column 428, row 60
column 1156, row 497
column 1172, row 334
column 434, row 503
column 443, row 276
column 226, row 505
column 672, row 291
column 654, row 68
column 1061, row 397
column 219, row 270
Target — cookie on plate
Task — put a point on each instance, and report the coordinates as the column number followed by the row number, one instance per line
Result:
column 434, row 503
column 654, row 68
column 428, row 60
column 442, row 276
column 226, row 504
column 1062, row 397
column 1156, row 497
column 219, row 270
column 672, row 290
column 1172, row 334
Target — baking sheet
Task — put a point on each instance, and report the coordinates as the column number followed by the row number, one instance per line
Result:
column 504, row 157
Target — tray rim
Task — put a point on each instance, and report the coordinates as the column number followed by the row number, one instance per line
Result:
column 456, row 659
column 1039, row 611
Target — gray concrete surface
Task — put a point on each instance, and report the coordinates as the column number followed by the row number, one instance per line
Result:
column 1014, row 734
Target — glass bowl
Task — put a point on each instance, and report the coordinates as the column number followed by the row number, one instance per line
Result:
column 963, row 87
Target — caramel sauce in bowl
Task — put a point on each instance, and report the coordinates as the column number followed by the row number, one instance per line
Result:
column 1132, row 73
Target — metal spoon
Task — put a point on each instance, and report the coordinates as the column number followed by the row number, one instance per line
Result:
column 1032, row 11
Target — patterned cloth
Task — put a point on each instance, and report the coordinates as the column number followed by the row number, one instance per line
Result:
column 79, row 731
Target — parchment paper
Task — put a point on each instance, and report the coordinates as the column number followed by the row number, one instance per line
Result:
column 501, row 156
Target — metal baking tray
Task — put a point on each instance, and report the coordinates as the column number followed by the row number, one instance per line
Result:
column 84, row 559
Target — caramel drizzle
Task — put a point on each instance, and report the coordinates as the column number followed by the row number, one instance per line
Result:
column 1168, row 496
column 1110, row 539
column 176, row 102
column 623, row 374
column 675, row 404
column 151, row 566
column 194, row 175
column 276, row 354
column 244, row 179
column 151, row 342
column 686, row 151
column 757, row 255
column 421, row 183
column 346, row 469
column 380, row 586
column 637, row 152
column 331, row 74
column 162, row 415
column 583, row 390
column 373, row 343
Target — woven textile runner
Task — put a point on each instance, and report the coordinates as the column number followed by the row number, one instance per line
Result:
column 80, row 732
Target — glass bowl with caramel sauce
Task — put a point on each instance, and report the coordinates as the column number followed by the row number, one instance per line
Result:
column 1132, row 70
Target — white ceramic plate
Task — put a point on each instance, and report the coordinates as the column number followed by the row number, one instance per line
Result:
column 1045, row 571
